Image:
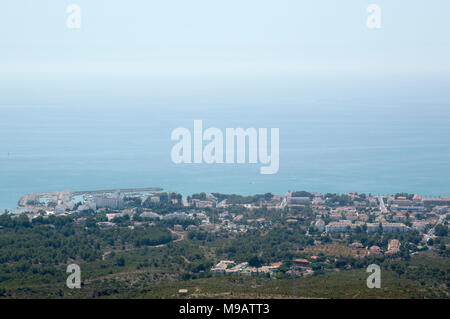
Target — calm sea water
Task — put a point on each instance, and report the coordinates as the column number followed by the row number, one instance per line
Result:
column 377, row 148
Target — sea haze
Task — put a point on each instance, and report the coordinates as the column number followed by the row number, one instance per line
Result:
column 384, row 146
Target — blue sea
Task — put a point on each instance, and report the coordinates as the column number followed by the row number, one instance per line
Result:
column 378, row 146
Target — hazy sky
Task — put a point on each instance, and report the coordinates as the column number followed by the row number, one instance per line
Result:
column 196, row 38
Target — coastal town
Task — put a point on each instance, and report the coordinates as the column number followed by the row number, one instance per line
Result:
column 325, row 216
column 369, row 213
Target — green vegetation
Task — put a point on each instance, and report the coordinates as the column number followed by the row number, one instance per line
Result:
column 338, row 200
column 39, row 251
column 139, row 257
column 238, row 199
column 302, row 194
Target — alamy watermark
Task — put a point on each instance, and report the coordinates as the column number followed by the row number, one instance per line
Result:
column 74, row 18
column 73, row 21
column 234, row 149
column 374, row 279
column 374, row 18
column 74, row 279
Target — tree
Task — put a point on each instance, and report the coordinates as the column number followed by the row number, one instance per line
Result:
column 254, row 261
column 120, row 262
column 441, row 230
column 164, row 197
column 301, row 194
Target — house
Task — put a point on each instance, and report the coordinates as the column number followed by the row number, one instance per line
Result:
column 176, row 216
column 420, row 225
column 410, row 209
column 237, row 268
column 342, row 226
column 356, row 245
column 301, row 262
column 437, row 201
column 363, row 217
column 399, row 217
column 183, row 292
column 150, row 215
column 351, row 216
column 394, row 227
column 375, row 251
column 336, row 217
column 192, row 228
column 401, row 202
column 113, row 215
column 203, row 204
column 393, row 247
column 387, row 227
column 318, row 201
column 221, row 267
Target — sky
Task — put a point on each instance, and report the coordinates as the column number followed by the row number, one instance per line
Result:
column 178, row 45
column 250, row 63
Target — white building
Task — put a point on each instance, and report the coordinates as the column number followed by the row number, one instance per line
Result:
column 109, row 202
column 320, row 225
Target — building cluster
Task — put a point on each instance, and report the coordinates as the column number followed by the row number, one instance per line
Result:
column 62, row 201
column 393, row 247
column 394, row 214
column 392, row 250
column 332, row 213
column 300, row 266
column 230, row 267
column 347, row 226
